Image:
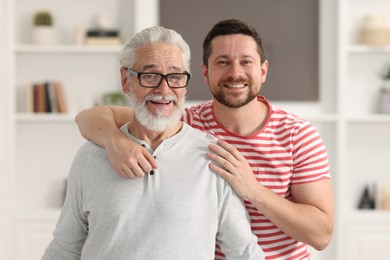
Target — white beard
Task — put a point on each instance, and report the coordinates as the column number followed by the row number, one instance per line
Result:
column 158, row 122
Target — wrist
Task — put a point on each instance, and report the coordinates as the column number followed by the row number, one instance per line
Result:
column 258, row 197
column 111, row 140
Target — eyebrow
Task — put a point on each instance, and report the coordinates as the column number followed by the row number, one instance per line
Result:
column 225, row 56
column 152, row 66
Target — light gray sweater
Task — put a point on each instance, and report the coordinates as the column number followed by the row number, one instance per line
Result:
column 176, row 213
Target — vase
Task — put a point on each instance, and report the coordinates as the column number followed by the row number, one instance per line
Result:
column 44, row 35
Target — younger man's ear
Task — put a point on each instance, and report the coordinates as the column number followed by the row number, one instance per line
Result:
column 205, row 74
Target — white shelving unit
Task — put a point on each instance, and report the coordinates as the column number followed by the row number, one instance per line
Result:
column 39, row 148
column 85, row 73
column 364, row 146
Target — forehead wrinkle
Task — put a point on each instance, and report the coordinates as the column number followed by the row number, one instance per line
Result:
column 149, row 66
column 160, row 56
column 154, row 66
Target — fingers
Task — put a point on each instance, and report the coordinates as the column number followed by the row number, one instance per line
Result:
column 133, row 163
column 223, row 172
column 127, row 173
column 220, row 151
column 225, row 156
column 220, row 158
column 150, row 161
column 143, row 164
column 230, row 149
column 130, row 173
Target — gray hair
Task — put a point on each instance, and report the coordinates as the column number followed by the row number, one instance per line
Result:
column 154, row 34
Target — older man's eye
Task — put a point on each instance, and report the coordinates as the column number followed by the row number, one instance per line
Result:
column 151, row 76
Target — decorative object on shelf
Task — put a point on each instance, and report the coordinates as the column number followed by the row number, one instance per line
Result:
column 384, row 198
column 104, row 21
column 79, row 35
column 367, row 200
column 384, row 93
column 104, row 34
column 115, row 98
column 45, row 97
column 374, row 30
column 43, row 29
column 102, row 37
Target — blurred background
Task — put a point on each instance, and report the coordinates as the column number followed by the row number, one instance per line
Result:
column 329, row 63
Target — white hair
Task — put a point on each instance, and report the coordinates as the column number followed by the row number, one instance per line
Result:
column 154, row 34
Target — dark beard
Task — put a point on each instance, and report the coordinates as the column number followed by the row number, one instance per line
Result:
column 223, row 99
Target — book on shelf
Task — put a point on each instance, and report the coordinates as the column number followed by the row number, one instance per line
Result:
column 102, row 41
column 46, row 97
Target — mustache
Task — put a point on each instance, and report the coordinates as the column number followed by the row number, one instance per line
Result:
column 156, row 97
column 231, row 80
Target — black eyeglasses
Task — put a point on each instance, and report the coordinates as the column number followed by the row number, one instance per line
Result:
column 153, row 79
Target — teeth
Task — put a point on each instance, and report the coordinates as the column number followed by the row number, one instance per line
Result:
column 161, row 102
column 235, row 85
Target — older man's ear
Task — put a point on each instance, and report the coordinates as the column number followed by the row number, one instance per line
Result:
column 124, row 80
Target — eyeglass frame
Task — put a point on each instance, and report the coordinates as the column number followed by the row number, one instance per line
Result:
column 163, row 76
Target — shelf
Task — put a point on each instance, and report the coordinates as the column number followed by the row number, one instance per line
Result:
column 75, row 49
column 367, row 49
column 373, row 215
column 321, row 118
column 45, row 117
column 370, row 118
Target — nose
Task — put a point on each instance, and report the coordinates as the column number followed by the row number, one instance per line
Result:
column 163, row 88
column 235, row 70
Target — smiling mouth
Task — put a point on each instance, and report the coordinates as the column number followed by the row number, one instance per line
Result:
column 235, row 85
column 161, row 102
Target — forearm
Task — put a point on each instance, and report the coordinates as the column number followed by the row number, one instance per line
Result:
column 96, row 124
column 304, row 222
column 308, row 217
column 101, row 126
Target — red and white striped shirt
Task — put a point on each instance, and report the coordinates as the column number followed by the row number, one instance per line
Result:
column 288, row 150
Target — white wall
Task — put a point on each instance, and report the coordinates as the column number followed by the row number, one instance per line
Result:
column 3, row 126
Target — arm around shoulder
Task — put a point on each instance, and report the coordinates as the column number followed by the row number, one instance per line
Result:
column 96, row 123
column 101, row 125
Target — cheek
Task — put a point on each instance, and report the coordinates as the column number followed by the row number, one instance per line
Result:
column 213, row 76
column 181, row 94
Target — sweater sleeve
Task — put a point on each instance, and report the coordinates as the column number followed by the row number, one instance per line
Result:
column 72, row 227
column 234, row 232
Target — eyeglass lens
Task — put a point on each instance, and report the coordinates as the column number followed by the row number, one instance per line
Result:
column 154, row 80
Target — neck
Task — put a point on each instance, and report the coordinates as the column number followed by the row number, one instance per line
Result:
column 153, row 138
column 246, row 120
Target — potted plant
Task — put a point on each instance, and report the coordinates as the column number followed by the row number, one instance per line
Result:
column 43, row 30
column 115, row 99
